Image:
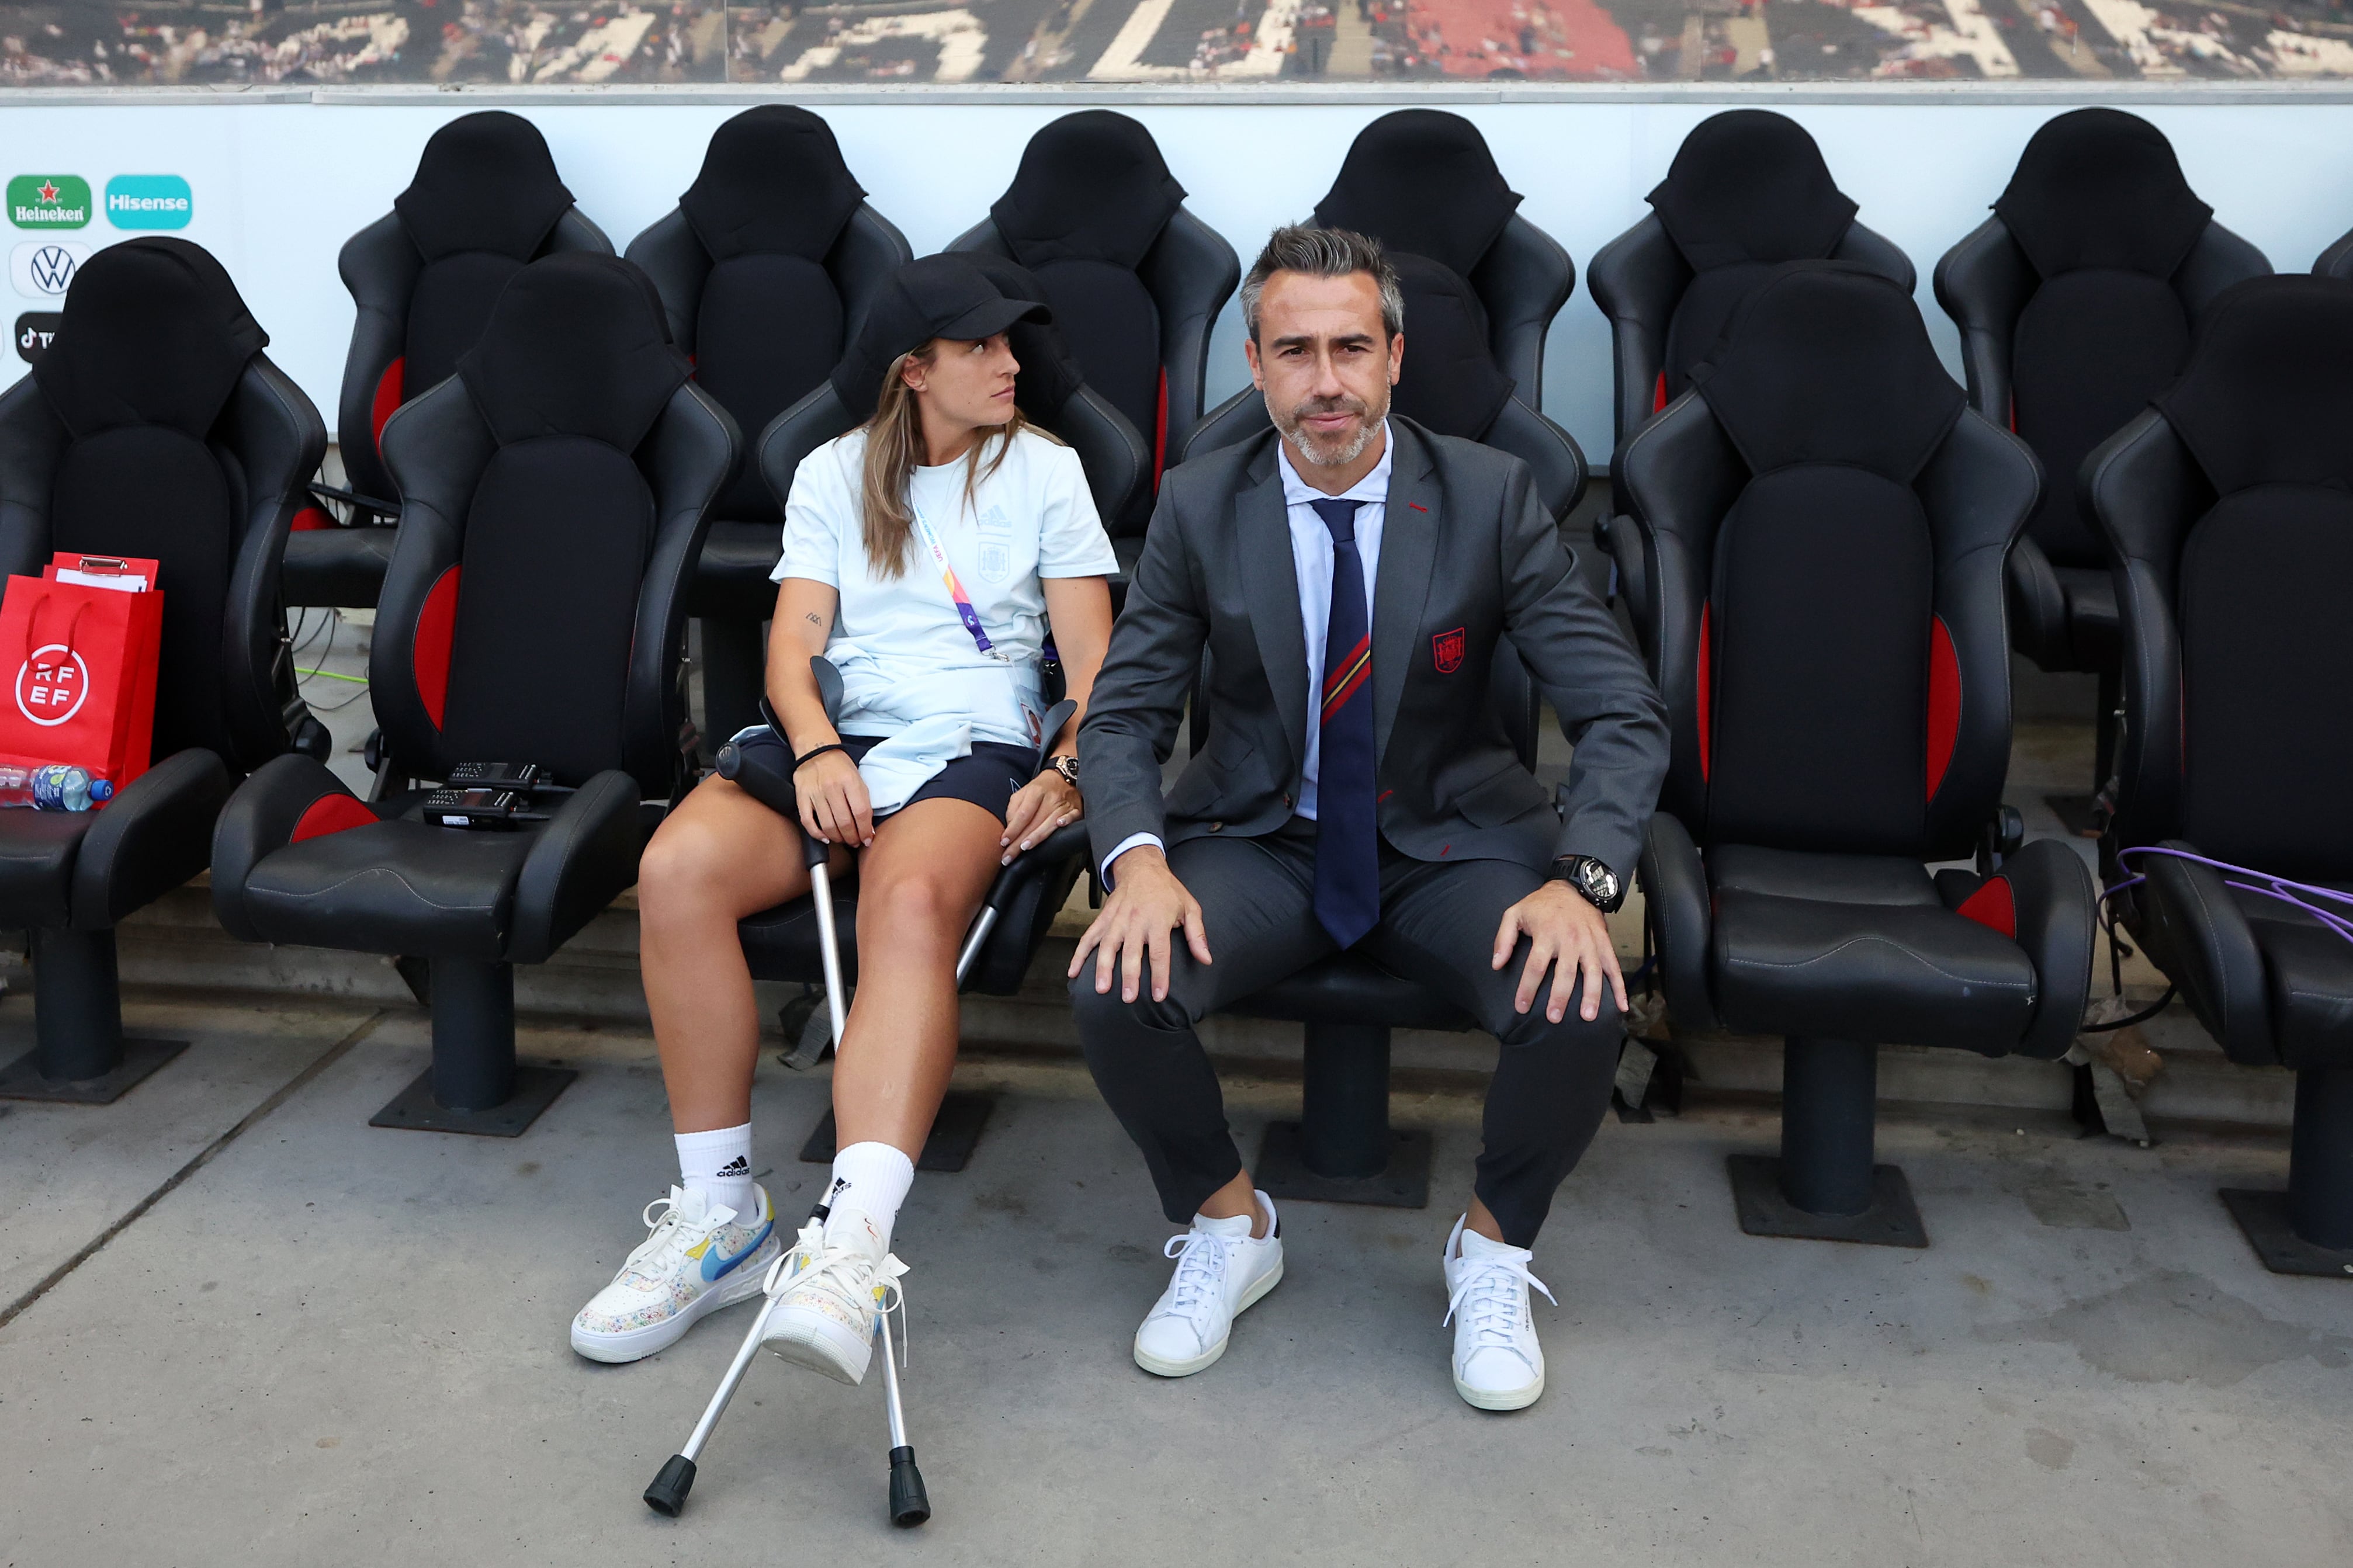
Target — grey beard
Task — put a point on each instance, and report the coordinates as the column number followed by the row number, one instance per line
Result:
column 1324, row 455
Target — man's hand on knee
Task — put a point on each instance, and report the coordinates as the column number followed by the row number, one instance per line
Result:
column 1565, row 934
column 1145, row 903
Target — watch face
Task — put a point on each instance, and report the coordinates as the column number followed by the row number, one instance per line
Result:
column 1599, row 882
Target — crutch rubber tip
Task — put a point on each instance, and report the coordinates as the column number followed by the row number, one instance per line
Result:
column 667, row 1494
column 909, row 1505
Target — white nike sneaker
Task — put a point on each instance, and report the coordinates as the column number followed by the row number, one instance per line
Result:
column 832, row 1293
column 1222, row 1270
column 698, row 1260
column 1498, row 1365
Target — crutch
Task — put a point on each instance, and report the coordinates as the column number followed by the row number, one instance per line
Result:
column 910, row 1505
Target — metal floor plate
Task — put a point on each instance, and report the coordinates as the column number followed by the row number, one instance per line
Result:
column 1892, row 1220
column 414, row 1109
column 1403, row 1183
column 22, row 1080
column 2263, row 1217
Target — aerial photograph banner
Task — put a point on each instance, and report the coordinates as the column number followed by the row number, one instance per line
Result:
column 956, row 42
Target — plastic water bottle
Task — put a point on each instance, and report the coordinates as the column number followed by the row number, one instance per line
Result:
column 53, row 786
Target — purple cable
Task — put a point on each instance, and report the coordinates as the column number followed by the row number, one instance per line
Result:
column 2272, row 887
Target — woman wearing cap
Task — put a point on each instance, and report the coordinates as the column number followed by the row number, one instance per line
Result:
column 923, row 555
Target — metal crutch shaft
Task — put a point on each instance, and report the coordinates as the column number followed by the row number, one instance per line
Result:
column 667, row 1496
column 910, row 1505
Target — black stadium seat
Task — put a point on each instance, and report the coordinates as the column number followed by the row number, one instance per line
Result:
column 2229, row 505
column 2076, row 302
column 1136, row 281
column 154, row 427
column 1747, row 191
column 1051, row 391
column 554, row 495
column 1481, row 284
column 1824, row 522
column 781, row 943
column 764, row 266
column 485, row 201
column 2337, row 261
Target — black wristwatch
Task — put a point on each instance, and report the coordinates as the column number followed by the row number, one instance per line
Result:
column 1066, row 766
column 1597, row 882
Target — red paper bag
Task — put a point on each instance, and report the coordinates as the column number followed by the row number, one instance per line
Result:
column 81, row 666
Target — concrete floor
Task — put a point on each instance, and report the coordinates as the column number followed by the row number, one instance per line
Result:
column 328, row 1343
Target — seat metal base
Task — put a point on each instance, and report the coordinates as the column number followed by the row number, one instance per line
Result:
column 2262, row 1218
column 2074, row 814
column 414, row 1109
column 955, row 1133
column 22, row 1080
column 1402, row 1184
column 1892, row 1220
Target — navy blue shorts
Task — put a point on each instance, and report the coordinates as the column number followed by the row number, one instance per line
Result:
column 988, row 777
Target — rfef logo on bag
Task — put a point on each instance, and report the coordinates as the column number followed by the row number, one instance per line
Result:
column 49, row 201
column 149, row 201
column 46, row 266
column 51, row 684
column 33, row 330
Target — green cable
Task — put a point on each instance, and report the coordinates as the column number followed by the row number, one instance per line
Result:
column 330, row 675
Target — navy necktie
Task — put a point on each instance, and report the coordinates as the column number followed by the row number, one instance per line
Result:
column 1347, row 838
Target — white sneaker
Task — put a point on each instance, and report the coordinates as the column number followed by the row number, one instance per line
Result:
column 1498, row 1365
column 1221, row 1269
column 832, row 1293
column 697, row 1260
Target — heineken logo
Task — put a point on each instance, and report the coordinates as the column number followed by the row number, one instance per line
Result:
column 49, row 201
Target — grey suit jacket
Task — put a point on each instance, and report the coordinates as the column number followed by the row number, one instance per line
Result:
column 1468, row 554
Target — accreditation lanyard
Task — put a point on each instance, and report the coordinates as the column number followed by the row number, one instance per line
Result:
column 965, row 612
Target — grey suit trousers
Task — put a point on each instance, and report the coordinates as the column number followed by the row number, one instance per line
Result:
column 1438, row 926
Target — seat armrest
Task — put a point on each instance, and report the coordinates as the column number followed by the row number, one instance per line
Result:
column 2197, row 934
column 2038, row 607
column 1623, row 537
column 1674, row 888
column 584, row 856
column 149, row 839
column 2051, row 899
column 1026, row 897
column 261, row 818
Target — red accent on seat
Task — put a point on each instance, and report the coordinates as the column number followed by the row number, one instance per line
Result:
column 1160, row 432
column 437, row 625
column 1944, row 703
column 1994, row 907
column 1705, row 684
column 2013, row 416
column 1659, row 399
column 387, row 400
column 310, row 519
column 331, row 814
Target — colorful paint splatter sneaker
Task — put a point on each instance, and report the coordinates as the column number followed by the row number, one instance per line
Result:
column 833, row 1289
column 697, row 1260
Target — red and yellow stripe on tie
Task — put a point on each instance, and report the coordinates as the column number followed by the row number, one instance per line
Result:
column 1351, row 673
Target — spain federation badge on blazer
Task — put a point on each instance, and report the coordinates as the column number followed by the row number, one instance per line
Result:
column 1446, row 651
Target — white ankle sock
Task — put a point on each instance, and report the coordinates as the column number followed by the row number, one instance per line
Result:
column 717, row 1165
column 870, row 1181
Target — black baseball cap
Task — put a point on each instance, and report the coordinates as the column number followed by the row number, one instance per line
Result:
column 940, row 296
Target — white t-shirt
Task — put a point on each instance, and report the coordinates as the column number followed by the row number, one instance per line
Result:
column 1032, row 518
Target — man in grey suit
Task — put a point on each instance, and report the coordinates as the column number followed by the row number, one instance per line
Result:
column 1349, row 574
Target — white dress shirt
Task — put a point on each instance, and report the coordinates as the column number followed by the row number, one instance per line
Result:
column 1311, row 564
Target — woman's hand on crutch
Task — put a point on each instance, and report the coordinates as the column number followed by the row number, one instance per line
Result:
column 835, row 806
column 1045, row 803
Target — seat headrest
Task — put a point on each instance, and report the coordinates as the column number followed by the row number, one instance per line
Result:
column 772, row 182
column 2267, row 396
column 1049, row 377
column 2101, row 188
column 1091, row 187
column 485, row 181
column 1422, row 180
column 1750, row 185
column 1451, row 381
column 1826, row 363
column 577, row 345
column 155, row 334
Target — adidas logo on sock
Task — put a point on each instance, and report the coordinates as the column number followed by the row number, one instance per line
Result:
column 840, row 1185
column 738, row 1166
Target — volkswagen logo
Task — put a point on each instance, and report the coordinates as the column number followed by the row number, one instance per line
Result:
column 46, row 267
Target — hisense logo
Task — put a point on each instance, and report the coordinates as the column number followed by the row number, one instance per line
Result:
column 148, row 201
column 49, row 201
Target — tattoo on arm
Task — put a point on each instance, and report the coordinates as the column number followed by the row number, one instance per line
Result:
column 812, row 620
